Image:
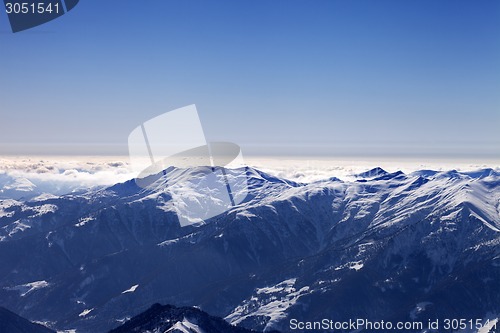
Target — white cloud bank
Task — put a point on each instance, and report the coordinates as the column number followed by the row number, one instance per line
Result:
column 60, row 175
column 308, row 170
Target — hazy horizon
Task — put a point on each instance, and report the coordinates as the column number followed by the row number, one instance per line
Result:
column 487, row 151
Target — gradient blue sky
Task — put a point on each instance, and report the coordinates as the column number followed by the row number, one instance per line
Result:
column 276, row 76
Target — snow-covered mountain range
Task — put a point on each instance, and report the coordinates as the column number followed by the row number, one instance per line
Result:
column 389, row 246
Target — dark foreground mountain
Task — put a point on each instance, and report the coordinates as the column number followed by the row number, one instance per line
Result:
column 12, row 323
column 385, row 246
column 171, row 319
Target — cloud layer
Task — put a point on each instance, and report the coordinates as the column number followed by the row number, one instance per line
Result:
column 22, row 177
column 58, row 175
column 308, row 170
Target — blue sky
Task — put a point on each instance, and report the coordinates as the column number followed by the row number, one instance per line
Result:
column 292, row 77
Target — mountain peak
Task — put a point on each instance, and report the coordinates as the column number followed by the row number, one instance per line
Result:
column 169, row 318
column 375, row 172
